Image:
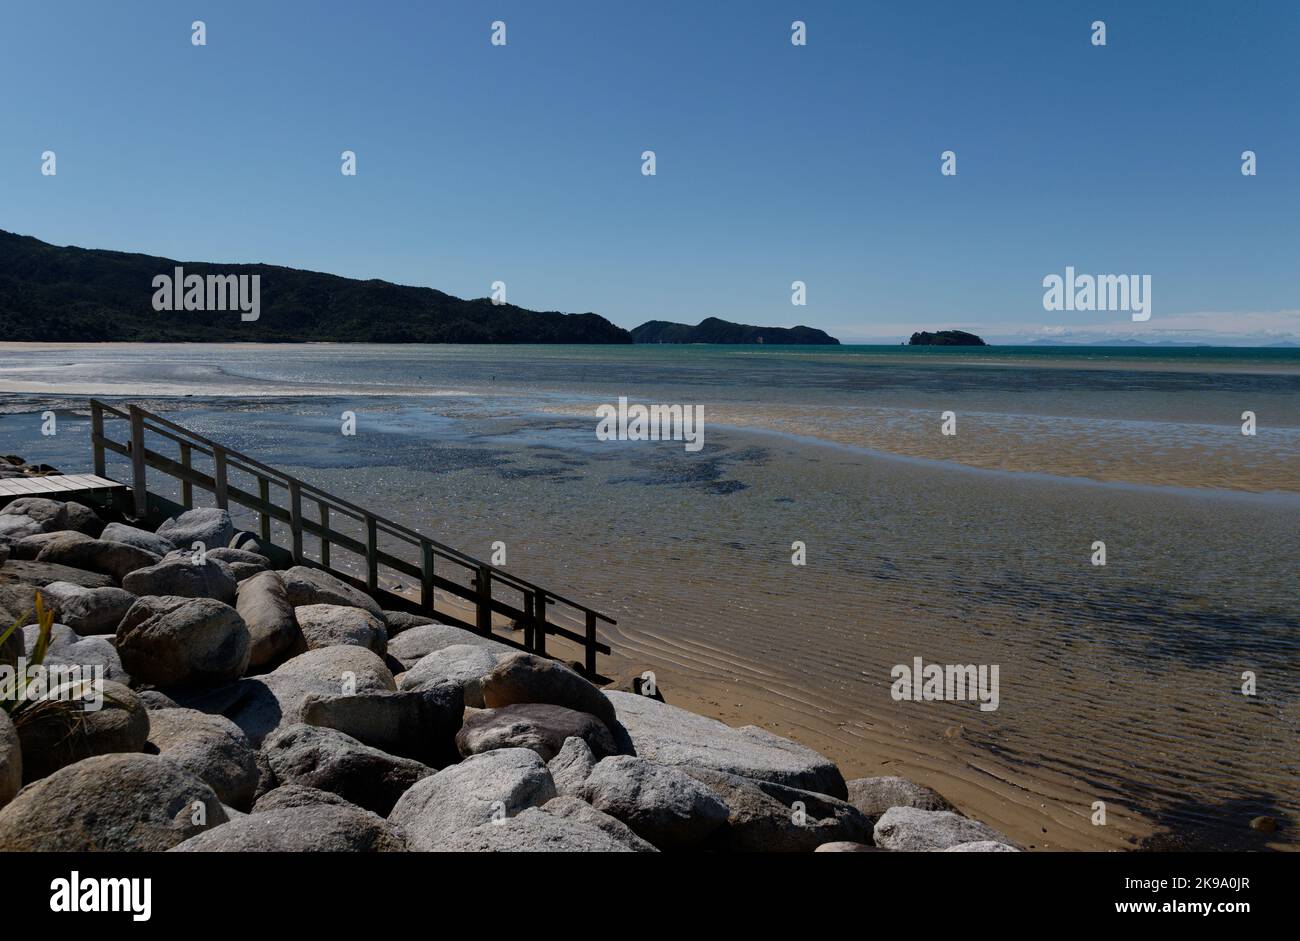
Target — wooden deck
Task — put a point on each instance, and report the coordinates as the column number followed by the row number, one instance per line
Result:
column 61, row 484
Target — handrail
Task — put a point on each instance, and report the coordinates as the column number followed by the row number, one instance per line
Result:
column 535, row 597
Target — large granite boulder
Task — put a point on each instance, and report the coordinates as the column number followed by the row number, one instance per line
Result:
column 48, row 516
column 29, row 547
column 211, row 747
column 21, row 575
column 332, row 761
column 329, row 625
column 874, row 796
column 460, row 665
column 272, row 628
column 671, row 736
column 208, row 525
column 906, row 828
column 766, row 817
column 479, row 790
column 533, row 831
column 981, row 846
column 69, row 727
column 662, row 805
column 180, row 576
column 68, row 650
column 243, row 564
column 110, row 803
column 297, row 795
column 11, row 760
column 260, row 705
column 140, row 538
column 399, row 621
column 88, row 610
column 577, row 809
column 115, row 559
column 538, row 726
column 307, row 586
column 318, row 828
column 526, row 678
column 418, row 641
column 420, row 725
column 571, row 766
column 177, row 641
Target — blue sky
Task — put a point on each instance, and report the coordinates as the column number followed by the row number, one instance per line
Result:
column 775, row 163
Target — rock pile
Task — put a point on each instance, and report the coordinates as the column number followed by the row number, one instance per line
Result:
column 245, row 708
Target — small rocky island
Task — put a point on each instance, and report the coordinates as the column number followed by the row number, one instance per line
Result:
column 945, row 338
column 714, row 330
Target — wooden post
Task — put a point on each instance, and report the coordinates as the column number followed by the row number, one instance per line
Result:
column 591, row 645
column 97, row 436
column 139, row 488
column 539, row 622
column 264, row 494
column 426, row 577
column 295, row 517
column 187, row 488
column 324, row 535
column 220, row 487
column 528, row 620
column 484, row 586
column 372, row 555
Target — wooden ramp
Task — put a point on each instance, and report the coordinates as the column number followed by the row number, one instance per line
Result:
column 63, row 485
column 453, row 587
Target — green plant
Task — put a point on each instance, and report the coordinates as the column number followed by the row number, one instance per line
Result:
column 45, row 623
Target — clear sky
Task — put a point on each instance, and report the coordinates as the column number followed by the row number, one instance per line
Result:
column 774, row 162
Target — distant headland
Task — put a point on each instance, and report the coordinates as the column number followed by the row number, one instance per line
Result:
column 49, row 293
column 945, row 338
column 714, row 330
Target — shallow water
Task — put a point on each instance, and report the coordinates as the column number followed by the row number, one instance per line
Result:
column 1118, row 683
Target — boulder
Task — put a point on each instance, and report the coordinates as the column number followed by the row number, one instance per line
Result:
column 532, row 831
column 873, row 796
column 306, row 586
column 109, row 803
column 88, row 610
column 420, row 725
column 320, row 828
column 537, row 726
column 635, row 681
column 29, row 547
column 68, row 649
column 11, row 760
column 115, row 559
column 140, row 538
column 15, row 526
column 332, row 761
column 329, row 625
column 39, row 574
column 154, row 700
column 66, row 730
column 209, row 525
column 765, row 817
column 51, row 515
column 577, row 809
column 526, row 678
column 460, row 665
column 981, row 846
column 296, row 795
column 399, row 621
column 571, row 765
column 210, row 747
column 246, row 541
column 906, row 828
column 663, row 805
column 462, row 797
column 181, row 577
column 272, row 628
column 274, row 700
column 846, row 847
column 415, row 643
column 177, row 641
column 672, row 736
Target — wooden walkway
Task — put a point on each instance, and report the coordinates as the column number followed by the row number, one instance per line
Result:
column 61, row 484
column 474, row 594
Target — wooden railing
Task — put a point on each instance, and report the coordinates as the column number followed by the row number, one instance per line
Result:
column 490, row 590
